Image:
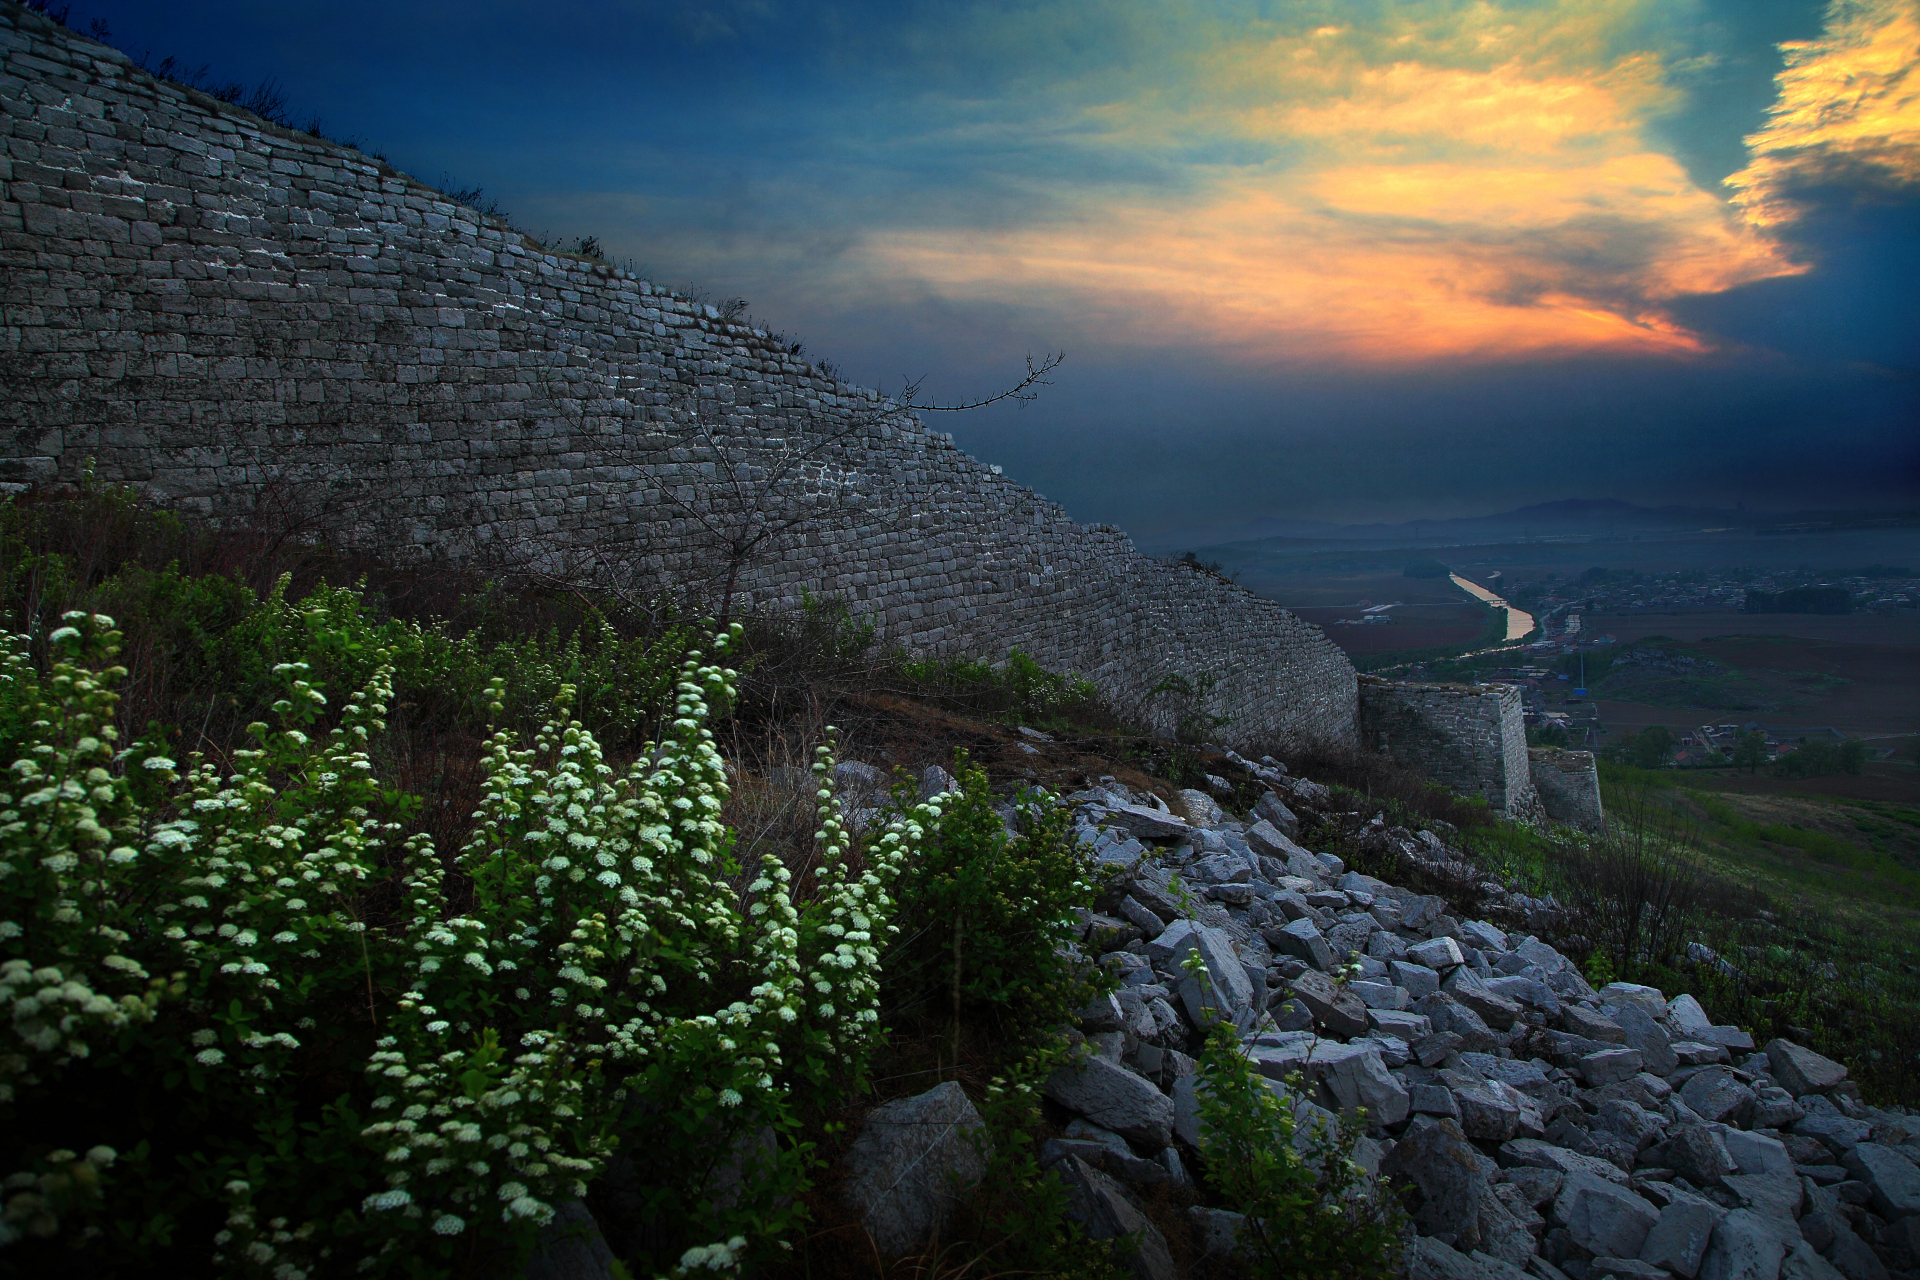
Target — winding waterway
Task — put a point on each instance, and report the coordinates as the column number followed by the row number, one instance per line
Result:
column 1519, row 622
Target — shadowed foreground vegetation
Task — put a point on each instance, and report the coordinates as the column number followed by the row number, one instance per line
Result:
column 364, row 912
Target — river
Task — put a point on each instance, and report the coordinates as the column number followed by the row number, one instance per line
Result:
column 1519, row 622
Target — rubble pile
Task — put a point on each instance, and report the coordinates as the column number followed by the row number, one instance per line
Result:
column 1531, row 1124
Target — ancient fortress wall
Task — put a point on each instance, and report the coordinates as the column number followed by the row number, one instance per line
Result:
column 1473, row 738
column 1569, row 786
column 216, row 309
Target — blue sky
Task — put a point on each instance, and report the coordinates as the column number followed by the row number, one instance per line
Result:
column 1347, row 259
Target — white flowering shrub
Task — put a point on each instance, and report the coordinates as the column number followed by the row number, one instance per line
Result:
column 302, row 1042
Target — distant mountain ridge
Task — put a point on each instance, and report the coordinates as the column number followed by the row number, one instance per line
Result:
column 1566, row 517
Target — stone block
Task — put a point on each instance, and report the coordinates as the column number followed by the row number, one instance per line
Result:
column 1802, row 1071
column 1332, row 1007
column 1890, row 1176
column 1608, row 1066
column 1439, row 954
column 1603, row 1217
column 1678, row 1240
column 1103, row 1210
column 1744, row 1246
column 1302, row 940
column 1114, row 1098
column 911, row 1165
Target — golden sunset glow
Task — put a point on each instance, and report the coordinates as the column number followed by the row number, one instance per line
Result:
column 1849, row 108
column 1460, row 183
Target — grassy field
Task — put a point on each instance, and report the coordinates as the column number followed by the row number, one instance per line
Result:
column 1813, row 900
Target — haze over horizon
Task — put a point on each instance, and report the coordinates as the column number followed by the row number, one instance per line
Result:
column 1313, row 260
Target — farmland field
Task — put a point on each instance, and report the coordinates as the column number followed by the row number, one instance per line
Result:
column 1857, row 674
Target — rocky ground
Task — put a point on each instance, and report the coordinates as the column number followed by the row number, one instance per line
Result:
column 1533, row 1125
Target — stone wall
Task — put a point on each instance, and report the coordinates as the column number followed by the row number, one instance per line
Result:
column 1473, row 738
column 227, row 312
column 1568, row 783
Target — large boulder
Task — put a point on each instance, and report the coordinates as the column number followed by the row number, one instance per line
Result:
column 1201, row 809
column 1419, row 981
column 1891, row 1178
column 1505, row 1219
column 1490, row 1111
column 1756, row 1153
column 1356, row 1077
column 1147, row 824
column 570, row 1247
column 1678, row 1241
column 1531, row 992
column 1644, row 1033
column 1445, row 1175
column 1603, row 1217
column 1715, row 1093
column 1648, row 998
column 1448, row 1014
column 911, row 1165
column 1802, row 1263
column 1536, row 1154
column 1439, row 954
column 1800, row 1070
column 1103, row 1210
column 1824, row 1121
column 1466, row 986
column 1224, row 992
column 1339, row 1010
column 1688, row 1016
column 1114, row 1098
column 1278, row 1056
column 1429, row 1258
column 1271, row 808
column 1590, row 1025
column 1220, row 1233
column 1745, row 1246
column 1302, row 940
column 1610, row 1066
column 1697, row 1153
column 1640, row 1127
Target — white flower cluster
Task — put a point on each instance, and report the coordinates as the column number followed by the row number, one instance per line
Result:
column 605, row 924
column 34, row 1200
column 65, row 823
column 712, row 1258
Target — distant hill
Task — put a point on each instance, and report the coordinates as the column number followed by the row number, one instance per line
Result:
column 1566, row 518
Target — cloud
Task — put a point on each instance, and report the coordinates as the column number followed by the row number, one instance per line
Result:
column 1453, row 182
column 1847, row 116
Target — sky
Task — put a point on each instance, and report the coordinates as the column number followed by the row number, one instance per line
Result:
column 1316, row 259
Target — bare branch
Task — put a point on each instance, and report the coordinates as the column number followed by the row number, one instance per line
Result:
column 1022, row 392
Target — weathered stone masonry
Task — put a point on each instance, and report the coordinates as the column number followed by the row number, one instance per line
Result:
column 207, row 306
column 1473, row 738
column 1569, row 786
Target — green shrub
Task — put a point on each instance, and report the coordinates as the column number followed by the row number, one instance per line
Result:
column 1018, row 691
column 289, row 1034
column 1015, row 1223
column 987, row 916
column 1311, row 1211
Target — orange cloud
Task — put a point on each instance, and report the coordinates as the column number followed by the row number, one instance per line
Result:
column 1421, row 213
column 1849, row 109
